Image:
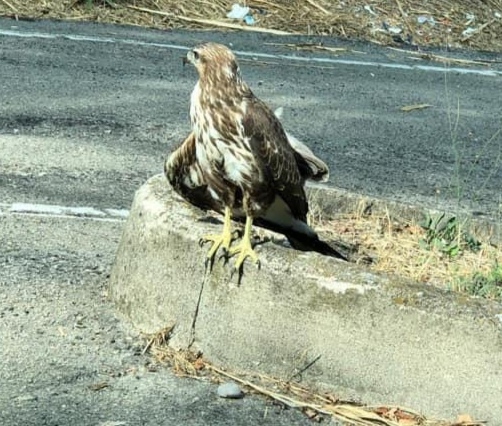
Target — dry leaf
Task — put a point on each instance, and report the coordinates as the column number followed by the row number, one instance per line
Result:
column 312, row 414
column 98, row 386
column 409, row 108
column 199, row 364
column 464, row 419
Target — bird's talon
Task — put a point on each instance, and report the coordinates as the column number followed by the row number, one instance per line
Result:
column 238, row 234
column 224, row 256
column 208, row 263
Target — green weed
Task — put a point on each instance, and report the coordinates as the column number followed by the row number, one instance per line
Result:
column 488, row 284
column 447, row 235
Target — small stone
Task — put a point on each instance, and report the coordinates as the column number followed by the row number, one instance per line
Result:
column 230, row 390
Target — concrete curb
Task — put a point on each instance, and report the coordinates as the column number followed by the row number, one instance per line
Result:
column 381, row 339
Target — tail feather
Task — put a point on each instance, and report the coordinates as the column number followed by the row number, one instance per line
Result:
column 302, row 241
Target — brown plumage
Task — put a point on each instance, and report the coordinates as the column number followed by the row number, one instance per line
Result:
column 240, row 155
column 185, row 175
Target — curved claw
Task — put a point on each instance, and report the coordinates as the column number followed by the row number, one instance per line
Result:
column 209, row 262
column 225, row 256
column 238, row 233
column 239, row 271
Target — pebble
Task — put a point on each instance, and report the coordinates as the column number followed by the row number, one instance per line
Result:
column 230, row 390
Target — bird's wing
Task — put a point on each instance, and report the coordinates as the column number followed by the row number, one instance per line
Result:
column 271, row 148
column 311, row 167
column 185, row 176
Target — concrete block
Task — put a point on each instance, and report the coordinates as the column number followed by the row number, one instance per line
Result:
column 381, row 339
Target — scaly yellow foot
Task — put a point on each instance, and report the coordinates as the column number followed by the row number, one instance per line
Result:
column 223, row 240
column 244, row 249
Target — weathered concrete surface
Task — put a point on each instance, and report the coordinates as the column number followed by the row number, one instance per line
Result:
column 381, row 340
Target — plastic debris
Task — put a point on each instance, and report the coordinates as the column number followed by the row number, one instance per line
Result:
column 468, row 31
column 249, row 20
column 470, row 18
column 242, row 13
column 426, row 19
column 368, row 8
column 391, row 29
column 238, row 11
column 395, row 30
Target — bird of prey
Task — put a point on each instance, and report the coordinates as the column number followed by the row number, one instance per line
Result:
column 238, row 160
column 185, row 176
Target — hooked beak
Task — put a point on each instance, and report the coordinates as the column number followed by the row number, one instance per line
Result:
column 189, row 58
column 184, row 60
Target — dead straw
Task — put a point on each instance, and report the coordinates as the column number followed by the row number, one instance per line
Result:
column 212, row 22
column 478, row 29
column 293, row 395
column 318, row 6
column 347, row 412
column 347, row 19
column 9, row 6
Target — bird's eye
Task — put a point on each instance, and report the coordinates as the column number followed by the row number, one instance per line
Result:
column 196, row 55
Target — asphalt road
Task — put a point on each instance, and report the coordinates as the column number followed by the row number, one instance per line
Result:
column 87, row 114
column 89, row 111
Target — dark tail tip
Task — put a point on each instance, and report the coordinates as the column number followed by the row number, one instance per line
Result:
column 324, row 248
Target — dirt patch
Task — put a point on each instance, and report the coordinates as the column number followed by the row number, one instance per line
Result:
column 412, row 23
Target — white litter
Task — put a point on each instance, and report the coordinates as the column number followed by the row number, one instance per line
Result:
column 238, row 11
column 468, row 31
column 368, row 8
column 470, row 18
column 426, row 19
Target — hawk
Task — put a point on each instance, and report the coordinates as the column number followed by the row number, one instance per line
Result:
column 238, row 160
column 185, row 176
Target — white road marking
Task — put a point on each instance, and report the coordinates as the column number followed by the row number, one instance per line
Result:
column 96, row 39
column 74, row 212
column 118, row 212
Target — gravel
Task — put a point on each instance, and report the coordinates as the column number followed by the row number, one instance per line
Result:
column 67, row 359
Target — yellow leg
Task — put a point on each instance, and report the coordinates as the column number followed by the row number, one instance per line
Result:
column 223, row 240
column 244, row 249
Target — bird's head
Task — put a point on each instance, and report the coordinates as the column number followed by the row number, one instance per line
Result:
column 215, row 63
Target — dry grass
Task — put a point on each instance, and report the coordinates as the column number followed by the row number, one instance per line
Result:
column 348, row 18
column 396, row 248
column 314, row 404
